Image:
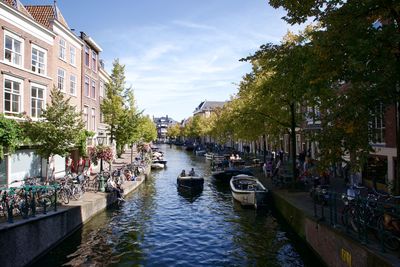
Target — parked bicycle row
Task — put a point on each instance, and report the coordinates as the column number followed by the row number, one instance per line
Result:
column 28, row 197
column 365, row 214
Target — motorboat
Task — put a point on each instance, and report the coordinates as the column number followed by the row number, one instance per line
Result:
column 156, row 165
column 227, row 174
column 214, row 157
column 200, row 152
column 248, row 190
column 190, row 182
column 162, row 161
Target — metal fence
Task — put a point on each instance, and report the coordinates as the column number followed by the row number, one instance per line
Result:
column 27, row 201
column 372, row 219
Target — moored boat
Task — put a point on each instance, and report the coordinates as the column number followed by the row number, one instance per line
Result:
column 227, row 174
column 190, row 182
column 248, row 190
column 155, row 165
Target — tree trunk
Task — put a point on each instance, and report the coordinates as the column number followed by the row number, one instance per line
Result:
column 293, row 139
column 396, row 182
column 265, row 148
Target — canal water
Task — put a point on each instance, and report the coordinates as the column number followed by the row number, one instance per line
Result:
column 159, row 226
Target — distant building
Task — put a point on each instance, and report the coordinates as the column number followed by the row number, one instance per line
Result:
column 206, row 107
column 162, row 125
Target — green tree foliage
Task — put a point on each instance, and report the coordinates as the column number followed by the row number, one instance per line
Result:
column 174, row 131
column 119, row 110
column 147, row 129
column 10, row 135
column 357, row 56
column 59, row 131
column 113, row 105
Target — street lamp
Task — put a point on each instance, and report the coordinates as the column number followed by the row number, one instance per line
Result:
column 100, row 140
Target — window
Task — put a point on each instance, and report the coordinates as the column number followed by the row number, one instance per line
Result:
column 87, row 56
column 86, row 86
column 12, row 95
column 85, row 117
column 101, row 117
column 13, row 49
column 37, row 101
column 72, row 83
column 61, row 52
column 61, row 79
column 93, row 90
column 38, row 60
column 93, row 119
column 378, row 126
column 72, row 52
column 101, row 91
column 94, row 61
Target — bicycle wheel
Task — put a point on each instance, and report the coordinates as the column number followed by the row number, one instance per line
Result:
column 96, row 186
column 64, row 196
column 348, row 218
column 77, row 192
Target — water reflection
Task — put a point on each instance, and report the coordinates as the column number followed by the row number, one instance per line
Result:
column 162, row 226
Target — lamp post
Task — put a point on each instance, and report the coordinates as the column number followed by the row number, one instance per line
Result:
column 101, row 140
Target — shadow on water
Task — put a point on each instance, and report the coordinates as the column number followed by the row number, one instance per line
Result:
column 159, row 225
column 190, row 194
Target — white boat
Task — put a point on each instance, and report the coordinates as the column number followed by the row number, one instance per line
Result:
column 157, row 165
column 215, row 157
column 209, row 155
column 248, row 190
column 200, row 152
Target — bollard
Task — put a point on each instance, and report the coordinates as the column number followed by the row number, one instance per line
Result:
column 10, row 218
column 33, row 202
column 25, row 207
column 55, row 198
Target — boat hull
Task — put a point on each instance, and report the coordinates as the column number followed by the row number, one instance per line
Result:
column 248, row 191
column 157, row 166
column 190, row 182
column 226, row 175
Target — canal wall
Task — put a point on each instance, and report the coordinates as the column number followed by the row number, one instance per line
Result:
column 24, row 241
column 334, row 247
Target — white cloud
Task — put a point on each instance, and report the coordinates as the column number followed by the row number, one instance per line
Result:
column 175, row 66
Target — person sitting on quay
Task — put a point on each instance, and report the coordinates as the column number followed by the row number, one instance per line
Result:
column 183, row 173
column 192, row 173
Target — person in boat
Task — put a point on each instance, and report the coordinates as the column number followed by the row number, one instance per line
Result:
column 192, row 173
column 183, row 173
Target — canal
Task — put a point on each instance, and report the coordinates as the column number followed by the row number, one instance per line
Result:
column 158, row 226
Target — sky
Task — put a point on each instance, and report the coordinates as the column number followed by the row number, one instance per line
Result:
column 177, row 53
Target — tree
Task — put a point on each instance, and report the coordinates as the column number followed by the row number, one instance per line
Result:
column 119, row 109
column 357, row 44
column 147, row 129
column 174, row 131
column 113, row 104
column 10, row 136
column 59, row 131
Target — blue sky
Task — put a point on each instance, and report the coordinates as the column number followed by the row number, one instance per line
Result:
column 177, row 52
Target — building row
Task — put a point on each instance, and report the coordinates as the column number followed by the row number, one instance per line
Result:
column 380, row 169
column 39, row 51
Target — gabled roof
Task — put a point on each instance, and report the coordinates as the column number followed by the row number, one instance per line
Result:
column 209, row 105
column 18, row 6
column 44, row 14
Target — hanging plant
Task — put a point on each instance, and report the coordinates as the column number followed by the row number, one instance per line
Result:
column 99, row 152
